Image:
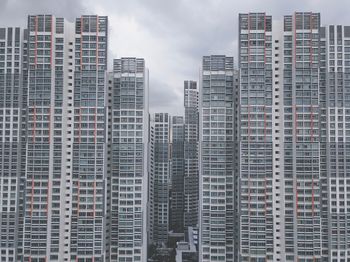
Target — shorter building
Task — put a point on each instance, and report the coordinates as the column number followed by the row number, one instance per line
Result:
column 191, row 178
column 159, row 182
column 177, row 175
column 187, row 251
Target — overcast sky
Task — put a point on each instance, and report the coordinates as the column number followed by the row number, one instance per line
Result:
column 172, row 35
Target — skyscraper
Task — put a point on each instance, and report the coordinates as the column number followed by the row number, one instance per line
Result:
column 129, row 161
column 334, row 104
column 11, row 146
column 260, row 161
column 177, row 175
column 191, row 178
column 301, row 141
column 293, row 132
column 64, row 169
column 257, row 191
column 89, row 174
column 46, row 126
column 216, row 169
column 159, row 183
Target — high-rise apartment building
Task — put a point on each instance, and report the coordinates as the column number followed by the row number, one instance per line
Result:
column 88, row 217
column 52, row 84
column 12, row 148
column 177, row 175
column 65, row 141
column 259, row 162
column 54, row 126
column 334, row 104
column 159, row 182
column 191, row 178
column 280, row 217
column 293, row 131
column 257, row 191
column 173, row 183
column 216, row 160
column 129, row 161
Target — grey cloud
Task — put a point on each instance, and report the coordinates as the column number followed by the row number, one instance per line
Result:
column 183, row 30
column 15, row 12
column 163, row 96
column 196, row 28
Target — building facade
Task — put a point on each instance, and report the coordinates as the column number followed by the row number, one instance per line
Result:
column 334, row 104
column 52, row 88
column 191, row 175
column 12, row 148
column 159, row 186
column 177, row 175
column 216, row 167
column 128, row 224
column 89, row 148
column 259, row 162
column 293, row 133
column 65, row 146
column 256, row 146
